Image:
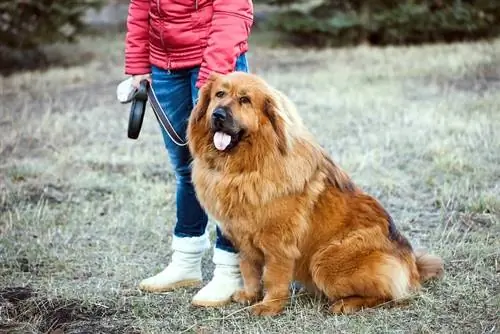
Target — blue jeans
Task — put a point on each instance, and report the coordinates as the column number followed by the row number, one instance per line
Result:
column 177, row 94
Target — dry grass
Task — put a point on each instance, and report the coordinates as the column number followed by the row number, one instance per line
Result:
column 85, row 212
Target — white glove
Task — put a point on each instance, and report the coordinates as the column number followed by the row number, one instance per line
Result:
column 125, row 90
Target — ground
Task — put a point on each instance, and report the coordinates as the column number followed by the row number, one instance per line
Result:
column 86, row 213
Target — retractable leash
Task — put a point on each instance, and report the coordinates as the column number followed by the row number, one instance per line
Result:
column 137, row 109
column 139, row 98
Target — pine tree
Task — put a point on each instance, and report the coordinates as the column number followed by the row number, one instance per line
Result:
column 27, row 24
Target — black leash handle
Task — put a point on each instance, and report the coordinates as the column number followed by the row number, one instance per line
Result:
column 137, row 110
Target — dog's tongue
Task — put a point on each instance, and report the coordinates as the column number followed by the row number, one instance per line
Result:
column 221, row 140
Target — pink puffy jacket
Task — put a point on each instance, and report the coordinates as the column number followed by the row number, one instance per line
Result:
column 175, row 34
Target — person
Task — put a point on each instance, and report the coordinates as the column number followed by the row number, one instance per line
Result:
column 176, row 45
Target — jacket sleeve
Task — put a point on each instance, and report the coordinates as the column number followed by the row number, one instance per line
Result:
column 137, row 38
column 231, row 24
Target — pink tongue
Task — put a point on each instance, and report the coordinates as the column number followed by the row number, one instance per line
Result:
column 221, row 140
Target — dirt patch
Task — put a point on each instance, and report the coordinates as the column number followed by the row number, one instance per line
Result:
column 31, row 193
column 95, row 193
column 15, row 294
column 20, row 190
column 25, row 265
column 36, row 193
column 478, row 79
column 20, row 306
column 477, row 221
column 53, row 195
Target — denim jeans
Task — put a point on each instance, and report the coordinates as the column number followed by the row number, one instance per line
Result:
column 177, row 94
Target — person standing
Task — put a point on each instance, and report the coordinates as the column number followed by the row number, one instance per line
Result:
column 175, row 45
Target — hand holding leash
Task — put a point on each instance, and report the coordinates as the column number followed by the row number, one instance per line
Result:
column 126, row 93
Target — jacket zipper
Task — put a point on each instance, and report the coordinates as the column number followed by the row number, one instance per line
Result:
column 162, row 40
column 196, row 4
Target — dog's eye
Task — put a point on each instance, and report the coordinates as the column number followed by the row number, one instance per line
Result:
column 219, row 94
column 244, row 100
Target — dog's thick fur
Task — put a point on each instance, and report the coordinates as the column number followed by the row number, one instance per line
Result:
column 290, row 210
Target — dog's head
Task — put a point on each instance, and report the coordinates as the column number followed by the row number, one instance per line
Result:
column 240, row 115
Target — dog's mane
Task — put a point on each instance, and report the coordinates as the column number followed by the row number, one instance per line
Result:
column 288, row 111
column 335, row 175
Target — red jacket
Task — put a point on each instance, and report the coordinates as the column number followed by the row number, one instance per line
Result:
column 175, row 34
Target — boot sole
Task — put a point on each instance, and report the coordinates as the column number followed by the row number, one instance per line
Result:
column 211, row 304
column 173, row 286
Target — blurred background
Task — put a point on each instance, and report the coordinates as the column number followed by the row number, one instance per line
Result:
column 27, row 27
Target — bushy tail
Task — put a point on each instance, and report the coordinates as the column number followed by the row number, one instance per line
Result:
column 429, row 266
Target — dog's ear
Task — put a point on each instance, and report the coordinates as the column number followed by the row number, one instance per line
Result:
column 273, row 113
column 200, row 109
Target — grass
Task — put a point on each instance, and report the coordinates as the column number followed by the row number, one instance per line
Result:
column 85, row 212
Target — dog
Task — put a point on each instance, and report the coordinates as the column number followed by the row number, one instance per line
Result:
column 289, row 209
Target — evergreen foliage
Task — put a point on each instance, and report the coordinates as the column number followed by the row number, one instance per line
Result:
column 27, row 24
column 383, row 22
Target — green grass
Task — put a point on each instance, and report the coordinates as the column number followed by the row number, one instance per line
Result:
column 85, row 212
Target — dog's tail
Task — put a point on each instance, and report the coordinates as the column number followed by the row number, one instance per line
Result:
column 429, row 266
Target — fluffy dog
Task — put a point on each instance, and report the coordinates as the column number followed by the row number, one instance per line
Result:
column 289, row 209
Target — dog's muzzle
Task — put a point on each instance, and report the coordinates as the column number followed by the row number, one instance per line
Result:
column 227, row 133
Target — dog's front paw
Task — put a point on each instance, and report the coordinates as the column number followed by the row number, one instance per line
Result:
column 244, row 297
column 348, row 306
column 340, row 308
column 267, row 309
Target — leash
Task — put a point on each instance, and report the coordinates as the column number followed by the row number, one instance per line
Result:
column 139, row 100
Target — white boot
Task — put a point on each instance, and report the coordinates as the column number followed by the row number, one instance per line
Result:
column 184, row 269
column 225, row 282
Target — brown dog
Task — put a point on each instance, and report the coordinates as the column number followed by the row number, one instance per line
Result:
column 289, row 209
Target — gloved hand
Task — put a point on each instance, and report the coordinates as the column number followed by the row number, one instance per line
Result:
column 132, row 90
column 126, row 90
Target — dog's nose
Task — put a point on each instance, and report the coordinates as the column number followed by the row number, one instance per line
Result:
column 219, row 116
